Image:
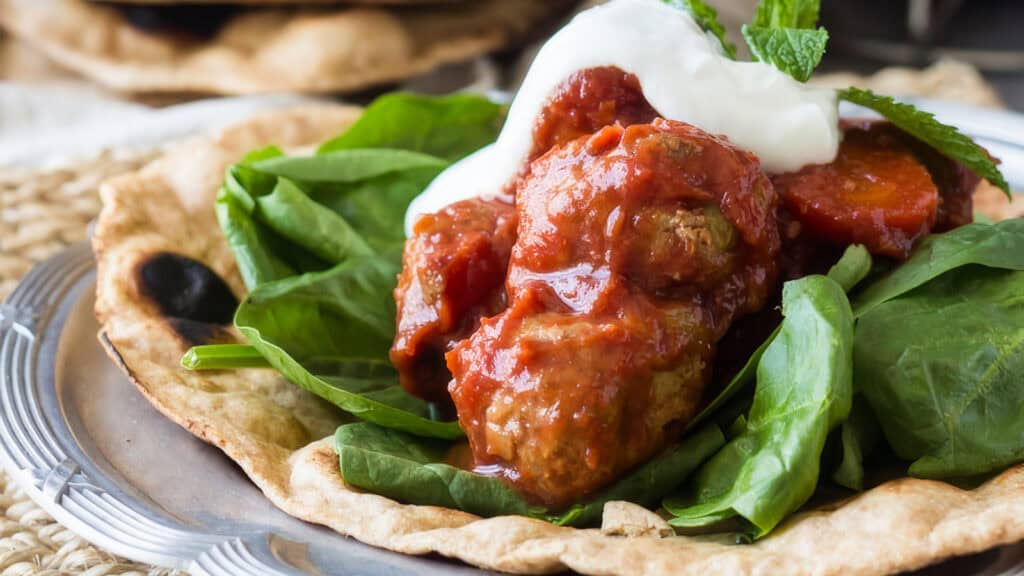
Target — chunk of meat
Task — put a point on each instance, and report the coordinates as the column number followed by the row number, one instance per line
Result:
column 636, row 249
column 453, row 272
column 587, row 101
column 454, row 265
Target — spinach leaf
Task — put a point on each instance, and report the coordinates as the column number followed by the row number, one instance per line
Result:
column 804, row 390
column 941, row 366
column 347, row 166
column 859, row 435
column 795, row 51
column 1000, row 245
column 289, row 212
column 449, row 126
column 413, row 470
column 852, row 267
column 369, row 206
column 329, row 332
column 250, row 242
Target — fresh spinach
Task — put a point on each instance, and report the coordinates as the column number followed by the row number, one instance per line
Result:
column 858, row 437
column 329, row 332
column 999, row 245
column 852, row 267
column 941, row 366
column 347, row 166
column 449, row 126
column 318, row 242
column 413, row 470
column 804, row 390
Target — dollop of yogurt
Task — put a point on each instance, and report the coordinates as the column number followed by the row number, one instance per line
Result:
column 683, row 74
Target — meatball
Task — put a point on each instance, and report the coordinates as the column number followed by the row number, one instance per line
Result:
column 454, row 265
column 637, row 247
column 453, row 272
column 587, row 101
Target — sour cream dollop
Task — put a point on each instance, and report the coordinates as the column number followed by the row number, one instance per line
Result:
column 683, row 74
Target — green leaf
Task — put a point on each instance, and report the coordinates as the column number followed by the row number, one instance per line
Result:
column 329, row 332
column 941, row 366
column 449, row 127
column 787, row 14
column 414, row 470
column 348, row 166
column 803, row 391
column 707, row 18
column 1000, row 245
column 859, row 435
column 923, row 126
column 794, row 51
column 291, row 213
column 370, row 206
column 852, row 267
column 250, row 242
column 223, row 356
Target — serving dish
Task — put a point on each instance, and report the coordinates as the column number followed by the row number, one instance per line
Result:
column 79, row 438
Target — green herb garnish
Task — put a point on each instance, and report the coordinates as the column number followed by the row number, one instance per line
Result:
column 707, row 18
column 923, row 126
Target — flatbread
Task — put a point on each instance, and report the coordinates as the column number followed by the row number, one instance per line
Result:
column 271, row 50
column 280, row 435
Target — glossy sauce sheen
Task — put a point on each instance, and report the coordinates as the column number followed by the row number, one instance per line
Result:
column 455, row 263
column 636, row 249
column 453, row 273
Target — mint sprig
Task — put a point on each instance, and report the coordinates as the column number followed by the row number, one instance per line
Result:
column 794, row 51
column 707, row 18
column 923, row 126
column 787, row 14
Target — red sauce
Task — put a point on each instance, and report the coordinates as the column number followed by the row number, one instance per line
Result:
column 636, row 249
column 587, row 101
column 455, row 263
column 453, row 272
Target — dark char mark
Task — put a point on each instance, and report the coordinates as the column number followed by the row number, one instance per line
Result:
column 200, row 21
column 196, row 302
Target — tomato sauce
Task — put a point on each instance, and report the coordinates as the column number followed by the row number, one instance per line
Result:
column 636, row 249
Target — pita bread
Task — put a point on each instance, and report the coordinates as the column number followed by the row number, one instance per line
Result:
column 280, row 435
column 271, row 50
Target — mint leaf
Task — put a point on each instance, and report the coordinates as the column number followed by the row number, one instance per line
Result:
column 787, row 14
column 796, row 52
column 923, row 126
column 707, row 17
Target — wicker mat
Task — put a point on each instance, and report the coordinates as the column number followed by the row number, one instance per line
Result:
column 42, row 212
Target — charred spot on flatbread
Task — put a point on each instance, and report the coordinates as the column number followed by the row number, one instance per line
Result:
column 199, row 21
column 194, row 300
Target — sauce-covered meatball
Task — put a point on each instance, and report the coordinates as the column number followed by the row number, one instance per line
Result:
column 637, row 247
column 453, row 273
column 454, row 265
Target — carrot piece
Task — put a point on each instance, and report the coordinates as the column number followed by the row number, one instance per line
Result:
column 876, row 192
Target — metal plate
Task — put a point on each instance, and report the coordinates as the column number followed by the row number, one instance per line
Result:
column 82, row 441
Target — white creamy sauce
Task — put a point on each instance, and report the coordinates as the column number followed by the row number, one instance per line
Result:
column 683, row 75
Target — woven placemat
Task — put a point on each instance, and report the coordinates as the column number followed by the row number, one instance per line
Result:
column 40, row 214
